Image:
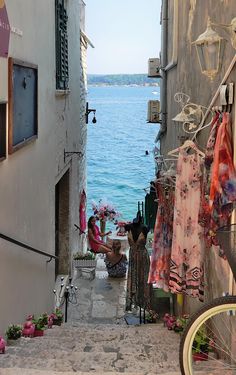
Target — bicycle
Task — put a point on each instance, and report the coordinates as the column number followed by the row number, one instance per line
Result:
column 213, row 325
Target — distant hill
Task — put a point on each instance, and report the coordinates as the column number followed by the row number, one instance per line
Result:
column 121, row 80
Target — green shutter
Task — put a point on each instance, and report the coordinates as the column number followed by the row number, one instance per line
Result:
column 62, row 68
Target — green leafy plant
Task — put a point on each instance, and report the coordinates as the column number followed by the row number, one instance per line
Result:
column 39, row 323
column 152, row 316
column 180, row 323
column 57, row 316
column 84, row 256
column 45, row 318
column 14, row 332
column 201, row 341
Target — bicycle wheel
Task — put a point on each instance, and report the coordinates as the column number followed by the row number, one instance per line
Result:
column 212, row 329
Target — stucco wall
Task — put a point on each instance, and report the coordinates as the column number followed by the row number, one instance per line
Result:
column 186, row 77
column 29, row 176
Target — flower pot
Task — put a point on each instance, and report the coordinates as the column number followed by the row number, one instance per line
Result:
column 57, row 322
column 200, row 356
column 85, row 263
column 38, row 332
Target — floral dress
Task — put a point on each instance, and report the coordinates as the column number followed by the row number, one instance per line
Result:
column 160, row 259
column 186, row 269
column 118, row 269
column 139, row 292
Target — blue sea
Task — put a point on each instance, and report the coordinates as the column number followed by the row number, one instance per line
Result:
column 118, row 169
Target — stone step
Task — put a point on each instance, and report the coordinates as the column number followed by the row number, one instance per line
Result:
column 20, row 371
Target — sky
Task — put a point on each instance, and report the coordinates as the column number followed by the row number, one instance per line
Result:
column 125, row 33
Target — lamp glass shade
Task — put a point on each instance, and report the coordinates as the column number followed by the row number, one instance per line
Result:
column 209, row 46
column 209, row 57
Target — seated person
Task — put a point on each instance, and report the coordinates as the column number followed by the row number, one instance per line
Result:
column 94, row 236
column 115, row 261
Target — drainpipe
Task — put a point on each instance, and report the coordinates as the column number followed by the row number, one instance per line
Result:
column 164, row 59
column 164, row 35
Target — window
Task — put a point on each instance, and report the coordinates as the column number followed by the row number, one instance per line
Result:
column 3, row 112
column 23, row 104
column 62, row 68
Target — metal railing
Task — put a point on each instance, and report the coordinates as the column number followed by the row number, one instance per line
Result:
column 21, row 244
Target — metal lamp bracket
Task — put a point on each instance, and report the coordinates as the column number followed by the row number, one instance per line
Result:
column 69, row 153
column 88, row 111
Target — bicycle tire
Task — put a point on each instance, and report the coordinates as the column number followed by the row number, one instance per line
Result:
column 209, row 310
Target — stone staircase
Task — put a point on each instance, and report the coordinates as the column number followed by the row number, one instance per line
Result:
column 95, row 348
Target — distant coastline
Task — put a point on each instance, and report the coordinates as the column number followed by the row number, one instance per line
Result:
column 133, row 80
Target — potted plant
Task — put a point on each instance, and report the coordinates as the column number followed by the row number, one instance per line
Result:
column 104, row 211
column 84, row 260
column 201, row 345
column 57, row 317
column 13, row 333
column 39, row 326
column 151, row 316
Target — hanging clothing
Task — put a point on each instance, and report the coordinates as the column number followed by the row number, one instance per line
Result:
column 150, row 209
column 82, row 212
column 162, row 240
column 186, row 269
column 219, row 183
column 209, row 154
column 223, row 179
column 139, row 292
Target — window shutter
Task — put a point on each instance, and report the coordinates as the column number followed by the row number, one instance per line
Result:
column 62, row 68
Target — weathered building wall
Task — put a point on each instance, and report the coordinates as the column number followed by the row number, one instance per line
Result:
column 186, row 77
column 28, row 177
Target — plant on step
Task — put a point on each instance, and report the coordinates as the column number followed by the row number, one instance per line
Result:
column 45, row 318
column 84, row 256
column 201, row 341
column 39, row 323
column 57, row 316
column 151, row 316
column 14, row 332
column 180, row 323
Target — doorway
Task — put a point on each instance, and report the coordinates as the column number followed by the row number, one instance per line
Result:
column 62, row 225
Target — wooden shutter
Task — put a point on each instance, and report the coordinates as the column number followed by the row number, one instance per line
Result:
column 62, row 68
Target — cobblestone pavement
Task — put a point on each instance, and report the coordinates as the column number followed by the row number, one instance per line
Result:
column 100, row 300
column 96, row 339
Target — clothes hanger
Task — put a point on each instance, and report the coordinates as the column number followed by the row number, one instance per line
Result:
column 187, row 144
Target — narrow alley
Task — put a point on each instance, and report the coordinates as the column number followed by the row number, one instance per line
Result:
column 96, row 338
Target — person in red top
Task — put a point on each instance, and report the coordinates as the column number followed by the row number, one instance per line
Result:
column 94, row 236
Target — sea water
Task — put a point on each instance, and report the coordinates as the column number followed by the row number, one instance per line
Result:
column 117, row 165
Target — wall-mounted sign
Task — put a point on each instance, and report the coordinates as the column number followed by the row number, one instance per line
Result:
column 4, row 30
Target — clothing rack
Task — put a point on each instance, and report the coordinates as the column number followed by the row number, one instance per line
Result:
column 209, row 108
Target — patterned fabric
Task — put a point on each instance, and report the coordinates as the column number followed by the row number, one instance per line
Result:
column 139, row 292
column 223, row 179
column 82, row 212
column 209, row 154
column 160, row 259
column 118, row 269
column 186, row 269
column 220, row 184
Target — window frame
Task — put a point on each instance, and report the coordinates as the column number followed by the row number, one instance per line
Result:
column 11, row 62
column 4, row 156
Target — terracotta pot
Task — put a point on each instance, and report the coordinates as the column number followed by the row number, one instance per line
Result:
column 200, row 356
column 57, row 322
column 38, row 332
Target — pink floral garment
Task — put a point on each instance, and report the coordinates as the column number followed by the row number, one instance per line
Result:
column 160, row 259
column 186, row 269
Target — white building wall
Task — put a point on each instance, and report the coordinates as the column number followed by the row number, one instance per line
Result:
column 28, row 176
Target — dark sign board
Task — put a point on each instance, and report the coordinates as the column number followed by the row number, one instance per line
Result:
column 4, row 30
